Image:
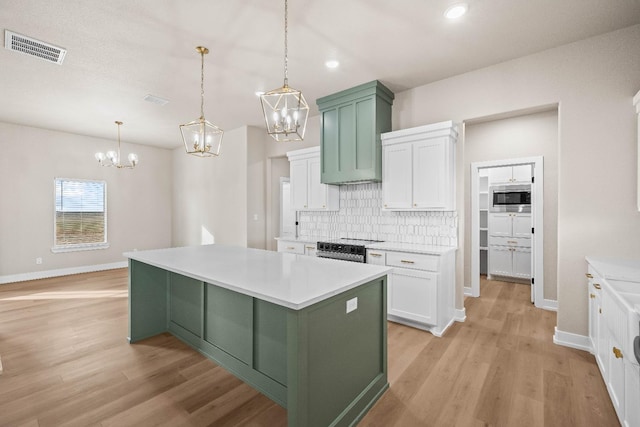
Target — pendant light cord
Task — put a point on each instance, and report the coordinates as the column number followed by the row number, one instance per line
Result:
column 286, row 52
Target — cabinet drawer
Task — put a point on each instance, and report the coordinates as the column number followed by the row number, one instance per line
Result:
column 291, row 247
column 413, row 261
column 376, row 257
column 510, row 241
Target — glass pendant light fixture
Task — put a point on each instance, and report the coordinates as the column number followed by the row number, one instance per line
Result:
column 112, row 158
column 285, row 109
column 201, row 137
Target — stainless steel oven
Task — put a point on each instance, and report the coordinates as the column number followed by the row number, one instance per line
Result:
column 344, row 249
column 510, row 198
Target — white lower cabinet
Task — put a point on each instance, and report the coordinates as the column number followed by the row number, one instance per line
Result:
column 420, row 288
column 296, row 247
column 608, row 337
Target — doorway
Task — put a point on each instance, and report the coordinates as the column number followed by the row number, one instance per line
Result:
column 480, row 223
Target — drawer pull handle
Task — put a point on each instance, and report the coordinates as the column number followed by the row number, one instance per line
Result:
column 311, row 247
column 290, row 248
column 375, row 255
column 600, row 310
column 597, row 286
column 404, row 261
column 617, row 353
column 589, row 276
column 592, row 296
column 512, row 241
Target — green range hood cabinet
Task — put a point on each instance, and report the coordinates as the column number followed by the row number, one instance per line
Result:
column 351, row 122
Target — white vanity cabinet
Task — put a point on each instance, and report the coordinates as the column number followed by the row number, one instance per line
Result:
column 420, row 289
column 418, row 168
column 520, row 174
column 307, row 192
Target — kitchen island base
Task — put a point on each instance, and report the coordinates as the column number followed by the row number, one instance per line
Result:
column 325, row 365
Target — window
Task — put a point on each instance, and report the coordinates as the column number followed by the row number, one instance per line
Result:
column 80, row 215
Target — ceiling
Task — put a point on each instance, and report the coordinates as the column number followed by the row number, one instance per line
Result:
column 119, row 51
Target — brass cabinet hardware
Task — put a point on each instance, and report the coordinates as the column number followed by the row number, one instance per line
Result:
column 415, row 204
column 311, row 247
column 590, row 276
column 290, row 248
column 600, row 310
column 512, row 241
column 592, row 296
column 404, row 261
column 617, row 353
column 597, row 286
column 375, row 255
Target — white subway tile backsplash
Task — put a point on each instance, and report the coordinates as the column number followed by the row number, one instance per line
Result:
column 361, row 217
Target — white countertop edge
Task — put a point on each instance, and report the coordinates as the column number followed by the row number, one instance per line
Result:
column 301, row 239
column 625, row 270
column 412, row 248
column 294, row 306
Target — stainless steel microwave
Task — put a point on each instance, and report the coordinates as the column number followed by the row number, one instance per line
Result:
column 510, row 198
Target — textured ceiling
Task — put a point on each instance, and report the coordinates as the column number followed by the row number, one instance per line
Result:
column 119, row 51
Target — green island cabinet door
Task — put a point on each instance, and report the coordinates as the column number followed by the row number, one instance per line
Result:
column 350, row 128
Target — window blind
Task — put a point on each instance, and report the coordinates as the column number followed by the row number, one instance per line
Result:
column 80, row 212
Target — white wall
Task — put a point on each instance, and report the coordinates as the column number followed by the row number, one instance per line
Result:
column 593, row 82
column 210, row 194
column 138, row 200
column 256, row 187
column 521, row 136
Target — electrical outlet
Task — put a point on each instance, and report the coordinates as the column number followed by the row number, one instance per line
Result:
column 38, row 260
column 352, row 304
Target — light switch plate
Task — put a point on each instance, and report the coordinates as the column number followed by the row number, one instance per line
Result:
column 352, row 304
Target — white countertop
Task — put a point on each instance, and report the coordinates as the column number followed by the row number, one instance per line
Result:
column 411, row 247
column 289, row 280
column 616, row 269
column 300, row 239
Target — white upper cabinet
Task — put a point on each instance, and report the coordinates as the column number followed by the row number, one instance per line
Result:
column 307, row 192
column 418, row 168
column 520, row 174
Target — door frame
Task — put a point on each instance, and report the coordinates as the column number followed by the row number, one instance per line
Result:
column 537, row 240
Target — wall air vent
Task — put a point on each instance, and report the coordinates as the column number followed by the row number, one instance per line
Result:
column 156, row 100
column 30, row 46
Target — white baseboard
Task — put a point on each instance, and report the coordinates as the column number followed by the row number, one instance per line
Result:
column 568, row 339
column 460, row 315
column 550, row 304
column 60, row 272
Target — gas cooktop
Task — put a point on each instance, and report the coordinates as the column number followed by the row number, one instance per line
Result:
column 354, row 242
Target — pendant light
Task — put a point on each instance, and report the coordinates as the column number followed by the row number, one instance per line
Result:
column 285, row 109
column 201, row 137
column 112, row 158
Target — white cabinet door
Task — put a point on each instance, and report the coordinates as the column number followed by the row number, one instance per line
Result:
column 317, row 192
column 429, row 174
column 616, row 376
column 413, row 295
column 521, row 174
column 299, row 185
column 500, row 224
column 310, row 249
column 632, row 394
column 593, row 320
column 396, row 180
column 500, row 260
column 521, row 263
column 602, row 347
column 521, row 225
column 376, row 257
column 500, row 175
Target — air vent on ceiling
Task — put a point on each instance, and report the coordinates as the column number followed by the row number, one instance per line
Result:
column 156, row 99
column 30, row 46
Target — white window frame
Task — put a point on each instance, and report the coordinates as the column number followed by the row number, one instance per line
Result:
column 79, row 246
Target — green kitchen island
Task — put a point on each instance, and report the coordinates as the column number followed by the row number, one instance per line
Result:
column 310, row 333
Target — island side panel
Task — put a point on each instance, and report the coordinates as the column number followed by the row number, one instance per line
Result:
column 148, row 290
column 338, row 360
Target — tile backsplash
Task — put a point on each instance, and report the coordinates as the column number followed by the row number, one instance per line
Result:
column 361, row 217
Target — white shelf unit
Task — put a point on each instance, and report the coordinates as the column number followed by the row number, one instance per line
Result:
column 483, row 204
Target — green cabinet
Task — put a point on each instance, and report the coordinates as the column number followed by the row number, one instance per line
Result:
column 350, row 128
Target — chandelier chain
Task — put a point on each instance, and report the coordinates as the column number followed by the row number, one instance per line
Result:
column 286, row 50
column 202, row 84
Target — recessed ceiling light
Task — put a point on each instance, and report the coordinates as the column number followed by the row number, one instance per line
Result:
column 332, row 64
column 456, row 11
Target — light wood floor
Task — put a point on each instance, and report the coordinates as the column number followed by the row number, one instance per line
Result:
column 67, row 362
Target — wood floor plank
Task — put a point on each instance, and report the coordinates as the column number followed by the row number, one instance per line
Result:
column 66, row 361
